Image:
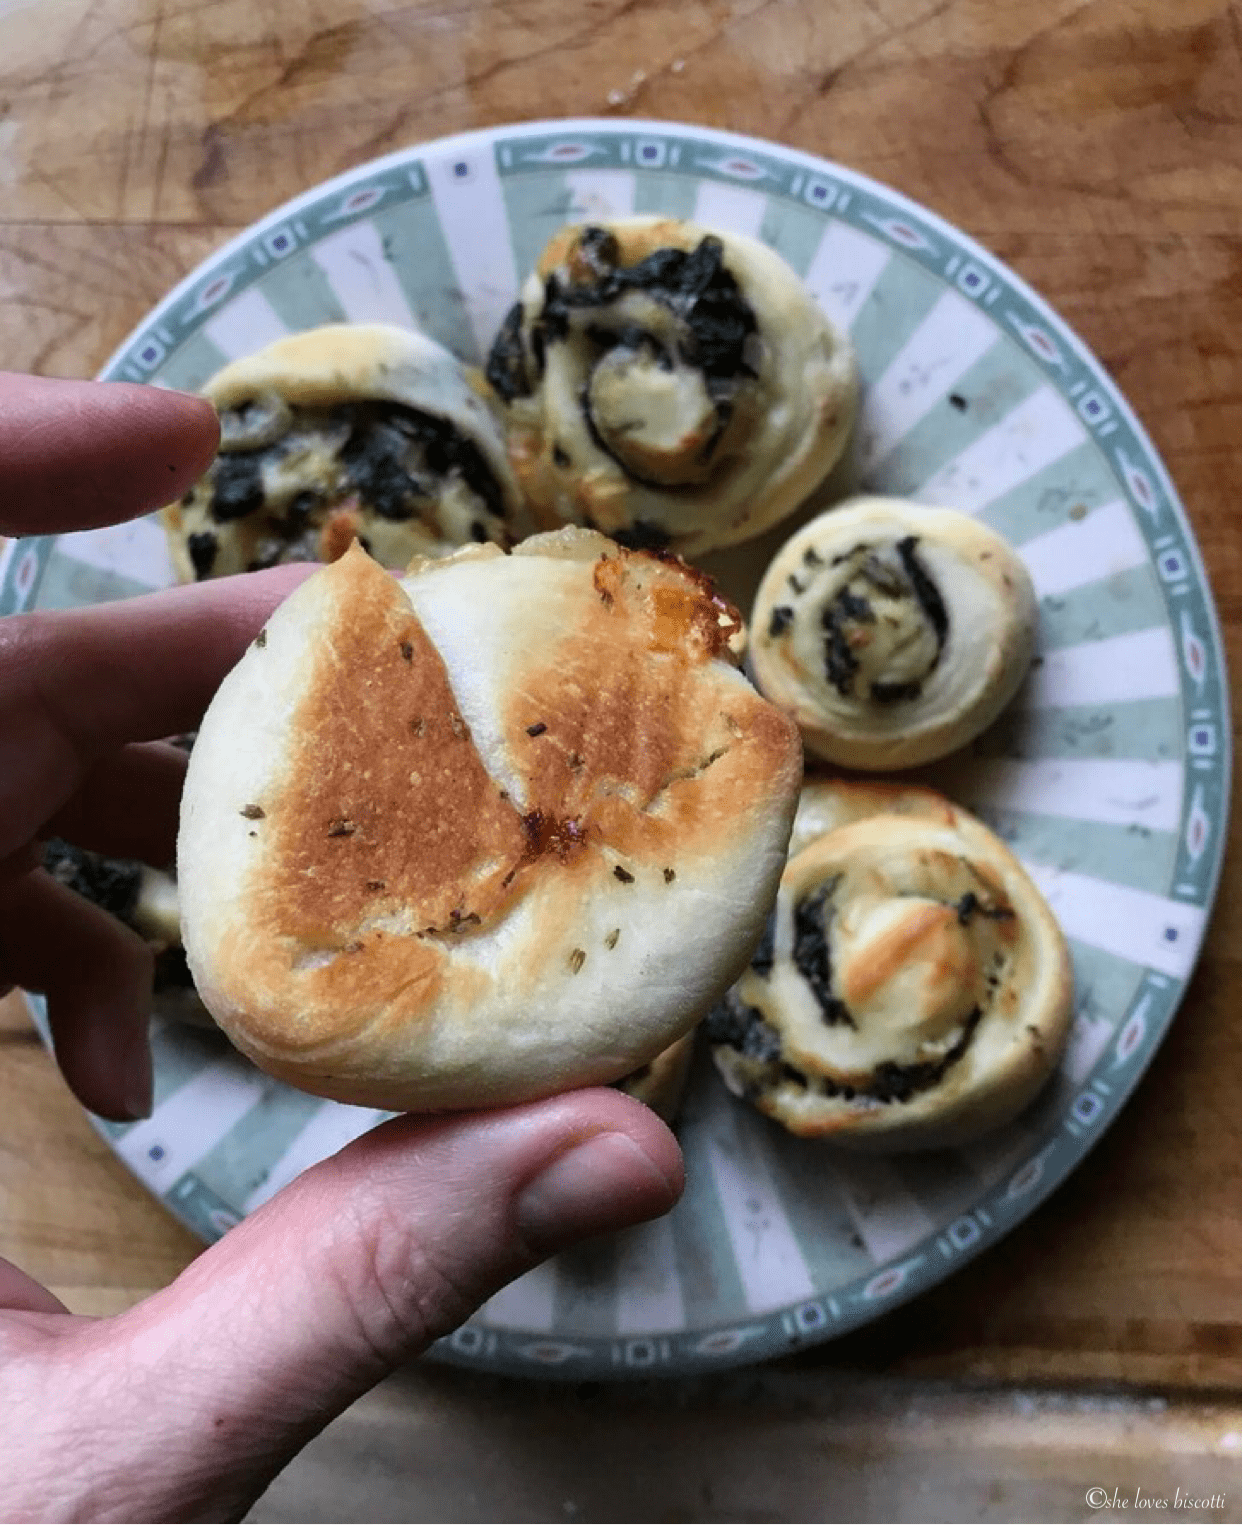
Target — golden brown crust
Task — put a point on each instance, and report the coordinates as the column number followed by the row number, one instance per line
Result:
column 379, row 743
column 653, row 727
column 404, row 751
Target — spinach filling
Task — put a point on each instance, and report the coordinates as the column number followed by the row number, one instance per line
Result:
column 970, row 905
column 899, row 1082
column 396, row 460
column 851, row 621
column 203, row 548
column 736, row 1024
column 762, row 959
column 237, row 484
column 506, row 361
column 643, row 535
column 703, row 325
column 110, row 883
column 386, row 438
column 810, row 953
column 715, row 318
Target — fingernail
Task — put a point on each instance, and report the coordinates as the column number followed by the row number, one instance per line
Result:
column 605, row 1183
column 140, row 1086
column 133, row 1079
column 194, row 404
column 196, row 398
column 107, row 1067
column 125, row 1076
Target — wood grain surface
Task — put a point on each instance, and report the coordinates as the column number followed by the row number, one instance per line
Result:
column 1096, row 145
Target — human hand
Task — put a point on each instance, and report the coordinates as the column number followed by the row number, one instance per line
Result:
column 186, row 1406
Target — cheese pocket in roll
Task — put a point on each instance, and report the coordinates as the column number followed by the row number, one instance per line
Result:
column 672, row 386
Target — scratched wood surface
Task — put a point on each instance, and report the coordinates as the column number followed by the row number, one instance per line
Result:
column 1095, row 146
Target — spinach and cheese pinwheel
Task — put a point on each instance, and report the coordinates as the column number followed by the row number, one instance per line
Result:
column 661, row 1083
column 675, row 387
column 892, row 633
column 145, row 900
column 825, row 802
column 349, row 431
column 912, row 990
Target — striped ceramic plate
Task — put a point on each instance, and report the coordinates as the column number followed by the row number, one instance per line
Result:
column 1109, row 776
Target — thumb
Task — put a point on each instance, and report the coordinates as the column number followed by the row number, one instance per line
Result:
column 359, row 1265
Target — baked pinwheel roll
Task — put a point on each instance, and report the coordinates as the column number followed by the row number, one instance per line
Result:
column 506, row 826
column 912, row 990
column 145, row 899
column 661, row 1084
column 671, row 386
column 892, row 633
column 825, row 803
column 348, row 431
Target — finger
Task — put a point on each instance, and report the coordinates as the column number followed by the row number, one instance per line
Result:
column 96, row 975
column 127, row 806
column 74, row 454
column 22, row 1293
column 359, row 1265
column 22, row 860
column 75, row 686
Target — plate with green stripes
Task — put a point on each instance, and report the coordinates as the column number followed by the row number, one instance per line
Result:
column 1108, row 776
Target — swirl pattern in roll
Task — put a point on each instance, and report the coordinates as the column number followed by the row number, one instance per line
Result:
column 675, row 387
column 892, row 632
column 912, row 989
column 347, row 431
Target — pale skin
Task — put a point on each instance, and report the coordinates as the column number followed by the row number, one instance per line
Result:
column 185, row 1407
